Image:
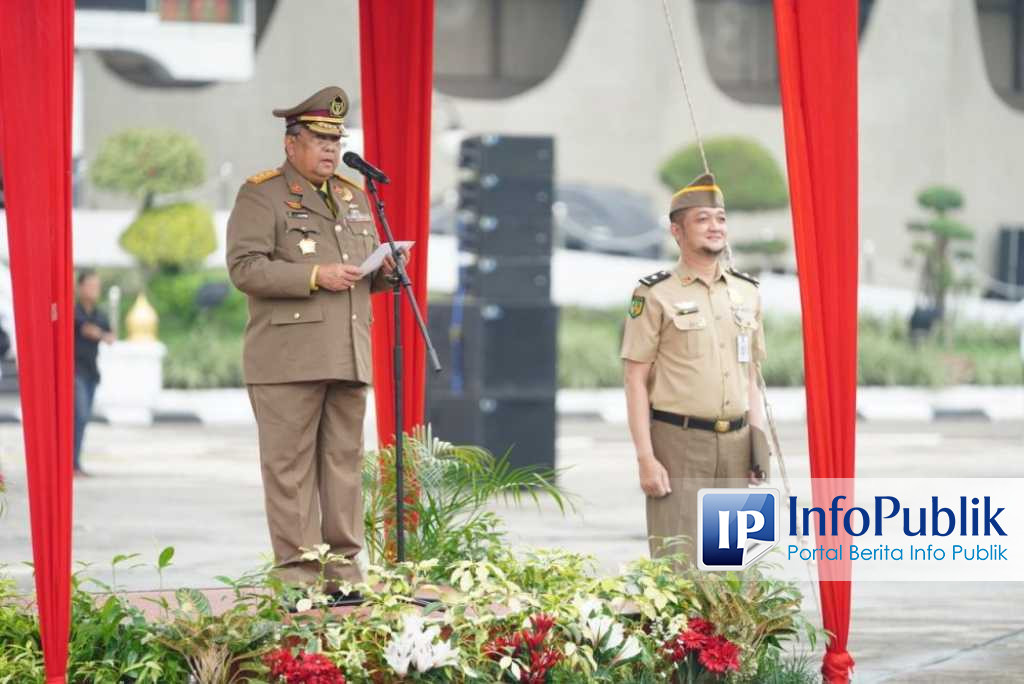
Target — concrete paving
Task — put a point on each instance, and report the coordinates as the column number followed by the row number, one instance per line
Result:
column 197, row 488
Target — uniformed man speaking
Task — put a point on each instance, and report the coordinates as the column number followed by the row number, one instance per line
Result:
column 693, row 341
column 295, row 241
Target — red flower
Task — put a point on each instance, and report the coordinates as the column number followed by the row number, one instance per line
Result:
column 307, row 668
column 701, row 626
column 503, row 646
column 542, row 622
column 692, row 640
column 720, row 655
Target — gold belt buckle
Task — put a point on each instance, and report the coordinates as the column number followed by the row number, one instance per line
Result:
column 721, row 426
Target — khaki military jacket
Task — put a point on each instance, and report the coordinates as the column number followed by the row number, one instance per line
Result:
column 295, row 334
column 700, row 339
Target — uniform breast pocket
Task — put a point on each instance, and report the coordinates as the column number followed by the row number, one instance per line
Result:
column 692, row 330
column 362, row 238
column 297, row 312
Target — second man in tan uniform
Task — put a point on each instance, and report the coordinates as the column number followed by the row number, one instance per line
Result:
column 693, row 340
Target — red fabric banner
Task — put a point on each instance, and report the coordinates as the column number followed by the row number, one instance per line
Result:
column 817, row 46
column 397, row 65
column 36, row 61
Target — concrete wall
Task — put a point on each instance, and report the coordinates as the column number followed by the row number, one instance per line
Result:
column 928, row 113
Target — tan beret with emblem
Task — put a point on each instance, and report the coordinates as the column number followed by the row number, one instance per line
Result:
column 323, row 112
column 702, row 191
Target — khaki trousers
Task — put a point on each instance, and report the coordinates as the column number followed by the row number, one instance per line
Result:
column 694, row 459
column 311, row 455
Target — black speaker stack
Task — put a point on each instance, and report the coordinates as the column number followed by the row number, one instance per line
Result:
column 1010, row 260
column 496, row 338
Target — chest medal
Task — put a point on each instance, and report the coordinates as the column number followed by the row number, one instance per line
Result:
column 307, row 246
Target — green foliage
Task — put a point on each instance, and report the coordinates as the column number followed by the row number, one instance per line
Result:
column 448, row 520
column 203, row 358
column 940, row 198
column 588, row 347
column 766, row 247
column 979, row 354
column 749, row 176
column 147, row 162
column 607, row 629
column 173, row 237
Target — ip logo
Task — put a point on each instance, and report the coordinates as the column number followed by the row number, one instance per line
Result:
column 735, row 527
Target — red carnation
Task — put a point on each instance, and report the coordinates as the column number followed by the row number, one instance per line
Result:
column 701, row 626
column 692, row 640
column 720, row 655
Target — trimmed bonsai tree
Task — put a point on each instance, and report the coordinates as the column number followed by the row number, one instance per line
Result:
column 148, row 163
column 935, row 247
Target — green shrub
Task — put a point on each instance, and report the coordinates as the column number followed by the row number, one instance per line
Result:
column 204, row 357
column 170, row 238
column 588, row 348
column 589, row 340
column 749, row 176
column 147, row 162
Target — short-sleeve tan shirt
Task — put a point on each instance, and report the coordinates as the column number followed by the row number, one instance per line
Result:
column 698, row 336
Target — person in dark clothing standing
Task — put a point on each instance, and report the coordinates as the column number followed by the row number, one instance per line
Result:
column 91, row 327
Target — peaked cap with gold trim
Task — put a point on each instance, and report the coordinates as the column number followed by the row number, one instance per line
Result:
column 323, row 112
column 702, row 191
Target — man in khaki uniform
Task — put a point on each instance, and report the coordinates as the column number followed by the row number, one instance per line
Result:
column 295, row 240
column 692, row 345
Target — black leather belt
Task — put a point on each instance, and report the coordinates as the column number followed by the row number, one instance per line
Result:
column 720, row 426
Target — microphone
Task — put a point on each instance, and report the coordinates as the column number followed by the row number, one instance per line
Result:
column 353, row 160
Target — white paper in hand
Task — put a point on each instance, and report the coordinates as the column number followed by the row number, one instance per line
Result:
column 374, row 261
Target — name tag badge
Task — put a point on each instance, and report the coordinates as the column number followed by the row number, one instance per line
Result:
column 743, row 348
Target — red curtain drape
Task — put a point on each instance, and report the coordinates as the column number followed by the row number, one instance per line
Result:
column 36, row 58
column 397, row 64
column 817, row 46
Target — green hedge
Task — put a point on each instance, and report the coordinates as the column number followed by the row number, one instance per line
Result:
column 588, row 353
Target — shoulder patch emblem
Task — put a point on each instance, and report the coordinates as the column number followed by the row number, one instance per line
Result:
column 258, row 178
column 636, row 306
column 654, row 278
column 745, row 276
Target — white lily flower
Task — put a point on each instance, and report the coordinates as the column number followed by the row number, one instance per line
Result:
column 445, row 655
column 422, row 655
column 597, row 627
column 630, row 649
column 397, row 656
column 615, row 637
column 415, row 646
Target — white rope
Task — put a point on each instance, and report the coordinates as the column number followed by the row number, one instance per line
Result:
column 682, row 77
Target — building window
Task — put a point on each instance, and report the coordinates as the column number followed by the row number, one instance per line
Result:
column 738, row 37
column 1001, row 24
column 499, row 48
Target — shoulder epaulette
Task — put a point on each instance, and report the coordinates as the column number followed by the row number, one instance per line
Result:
column 655, row 278
column 745, row 276
column 347, row 181
column 258, row 178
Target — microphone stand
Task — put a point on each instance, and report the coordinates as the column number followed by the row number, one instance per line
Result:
column 400, row 280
